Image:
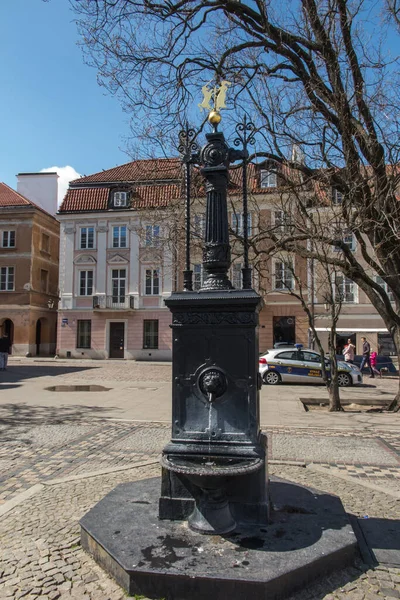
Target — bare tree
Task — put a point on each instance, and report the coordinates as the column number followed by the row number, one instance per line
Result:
column 319, row 74
column 326, row 287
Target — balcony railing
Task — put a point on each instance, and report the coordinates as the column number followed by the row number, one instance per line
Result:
column 113, row 302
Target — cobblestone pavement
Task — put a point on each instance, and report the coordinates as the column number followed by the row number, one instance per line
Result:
column 40, row 554
column 37, row 452
column 41, row 557
column 85, row 371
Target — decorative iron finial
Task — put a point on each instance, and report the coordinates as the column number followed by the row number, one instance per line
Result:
column 245, row 134
column 187, row 146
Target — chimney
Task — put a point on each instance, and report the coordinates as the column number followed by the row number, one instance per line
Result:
column 41, row 188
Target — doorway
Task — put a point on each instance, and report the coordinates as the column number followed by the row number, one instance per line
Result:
column 38, row 339
column 8, row 330
column 284, row 329
column 117, row 340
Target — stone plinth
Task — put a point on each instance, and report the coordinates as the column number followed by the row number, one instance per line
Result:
column 308, row 536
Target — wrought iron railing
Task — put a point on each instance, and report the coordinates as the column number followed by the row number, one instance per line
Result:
column 116, row 302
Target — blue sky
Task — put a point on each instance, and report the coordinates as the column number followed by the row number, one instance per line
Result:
column 52, row 111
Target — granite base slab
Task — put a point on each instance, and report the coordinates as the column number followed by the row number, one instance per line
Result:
column 308, row 536
column 383, row 540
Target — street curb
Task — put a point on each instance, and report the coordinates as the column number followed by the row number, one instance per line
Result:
column 38, row 487
column 99, row 473
column 287, row 463
column 25, row 495
column 349, row 479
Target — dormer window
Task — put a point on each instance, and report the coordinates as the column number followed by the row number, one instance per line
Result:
column 268, row 179
column 120, row 199
column 337, row 197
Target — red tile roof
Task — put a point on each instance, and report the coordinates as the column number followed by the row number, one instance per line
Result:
column 9, row 197
column 92, row 193
column 151, row 196
column 85, row 199
column 138, row 170
column 144, row 196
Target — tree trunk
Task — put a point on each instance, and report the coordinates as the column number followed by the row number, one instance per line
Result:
column 333, row 386
column 334, row 397
column 395, row 404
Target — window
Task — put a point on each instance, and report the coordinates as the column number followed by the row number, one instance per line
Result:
column 288, row 355
column 385, row 286
column 238, row 221
column 87, row 238
column 150, row 334
column 120, row 199
column 268, row 179
column 84, row 334
column 345, row 289
column 386, row 345
column 8, row 239
column 197, row 276
column 85, row 283
column 350, row 240
column 118, row 282
column 283, row 221
column 284, row 279
column 7, row 279
column 152, row 286
column 45, row 243
column 237, row 280
column 152, row 235
column 200, row 225
column 311, row 356
column 337, row 197
column 44, row 280
column 119, row 236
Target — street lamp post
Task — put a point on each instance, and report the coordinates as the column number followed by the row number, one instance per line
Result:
column 187, row 149
column 245, row 137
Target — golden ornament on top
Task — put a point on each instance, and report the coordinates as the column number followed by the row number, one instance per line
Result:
column 217, row 95
column 214, row 117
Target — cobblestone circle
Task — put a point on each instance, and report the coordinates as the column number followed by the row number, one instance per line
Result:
column 41, row 556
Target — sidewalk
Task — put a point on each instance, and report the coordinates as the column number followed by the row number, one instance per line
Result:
column 61, row 452
column 142, row 391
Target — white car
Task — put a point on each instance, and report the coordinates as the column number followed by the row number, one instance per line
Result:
column 300, row 365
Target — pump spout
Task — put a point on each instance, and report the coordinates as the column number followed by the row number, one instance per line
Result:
column 211, row 397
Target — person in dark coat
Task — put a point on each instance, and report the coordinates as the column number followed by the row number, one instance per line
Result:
column 366, row 359
column 4, row 352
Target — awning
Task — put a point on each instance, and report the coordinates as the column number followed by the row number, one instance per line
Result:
column 353, row 329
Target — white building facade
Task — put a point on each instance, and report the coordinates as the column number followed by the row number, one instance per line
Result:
column 114, row 276
column 118, row 264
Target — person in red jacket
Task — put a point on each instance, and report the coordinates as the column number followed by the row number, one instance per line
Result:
column 373, row 358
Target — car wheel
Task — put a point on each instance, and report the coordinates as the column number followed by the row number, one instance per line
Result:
column 272, row 378
column 344, row 380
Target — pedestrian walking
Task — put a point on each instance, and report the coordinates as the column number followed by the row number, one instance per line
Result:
column 373, row 359
column 366, row 356
column 349, row 352
column 4, row 352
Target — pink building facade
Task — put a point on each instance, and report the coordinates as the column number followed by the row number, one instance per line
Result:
column 115, row 272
